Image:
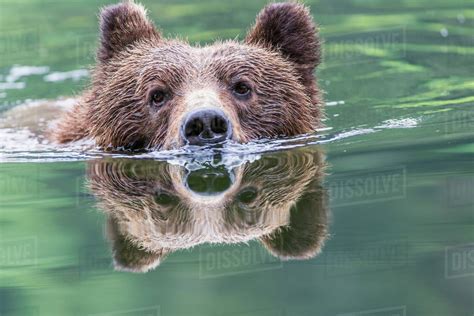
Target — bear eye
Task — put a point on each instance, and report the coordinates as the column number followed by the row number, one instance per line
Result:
column 247, row 195
column 158, row 98
column 241, row 89
column 164, row 199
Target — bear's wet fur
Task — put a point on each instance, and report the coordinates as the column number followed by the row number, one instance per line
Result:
column 275, row 61
column 153, row 211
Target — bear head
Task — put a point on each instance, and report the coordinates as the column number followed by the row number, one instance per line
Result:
column 155, row 208
column 148, row 91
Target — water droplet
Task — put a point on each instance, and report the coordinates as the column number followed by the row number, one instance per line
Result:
column 444, row 32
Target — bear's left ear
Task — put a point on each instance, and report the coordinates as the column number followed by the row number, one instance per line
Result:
column 289, row 29
column 121, row 25
column 304, row 237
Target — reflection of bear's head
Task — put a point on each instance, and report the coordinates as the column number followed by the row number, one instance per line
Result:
column 148, row 91
column 155, row 208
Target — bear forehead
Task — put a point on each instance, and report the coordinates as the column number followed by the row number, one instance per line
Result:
column 226, row 59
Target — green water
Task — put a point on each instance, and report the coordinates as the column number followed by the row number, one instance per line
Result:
column 392, row 213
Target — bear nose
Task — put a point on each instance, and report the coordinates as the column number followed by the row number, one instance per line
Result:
column 206, row 126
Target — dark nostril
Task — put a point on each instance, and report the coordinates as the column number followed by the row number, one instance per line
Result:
column 219, row 125
column 206, row 126
column 194, row 127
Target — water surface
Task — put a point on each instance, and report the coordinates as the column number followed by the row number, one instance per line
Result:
column 372, row 216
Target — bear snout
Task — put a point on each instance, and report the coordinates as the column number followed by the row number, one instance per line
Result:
column 206, row 126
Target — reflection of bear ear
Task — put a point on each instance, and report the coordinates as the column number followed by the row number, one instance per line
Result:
column 122, row 25
column 304, row 237
column 288, row 28
column 129, row 257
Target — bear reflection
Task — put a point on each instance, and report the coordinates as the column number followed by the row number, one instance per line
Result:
column 155, row 208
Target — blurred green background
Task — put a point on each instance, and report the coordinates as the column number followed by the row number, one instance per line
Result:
column 399, row 73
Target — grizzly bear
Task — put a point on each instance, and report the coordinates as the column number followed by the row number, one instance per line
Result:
column 155, row 208
column 149, row 92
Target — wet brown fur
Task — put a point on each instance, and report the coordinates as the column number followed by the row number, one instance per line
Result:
column 277, row 59
column 289, row 214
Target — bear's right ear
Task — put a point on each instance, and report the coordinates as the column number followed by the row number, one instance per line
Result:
column 127, row 256
column 122, row 25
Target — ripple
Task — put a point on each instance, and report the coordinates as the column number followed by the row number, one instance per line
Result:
column 21, row 144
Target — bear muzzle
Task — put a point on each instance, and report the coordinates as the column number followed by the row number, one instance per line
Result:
column 206, row 126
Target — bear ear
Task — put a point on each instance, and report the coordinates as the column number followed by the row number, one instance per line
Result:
column 289, row 29
column 304, row 237
column 122, row 25
column 129, row 257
